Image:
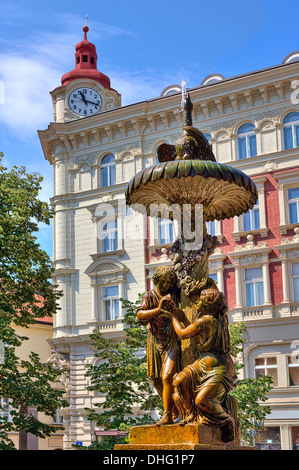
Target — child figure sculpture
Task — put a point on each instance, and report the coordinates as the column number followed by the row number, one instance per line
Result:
column 201, row 388
column 163, row 345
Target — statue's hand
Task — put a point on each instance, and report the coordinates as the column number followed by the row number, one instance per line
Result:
column 167, row 304
column 165, row 298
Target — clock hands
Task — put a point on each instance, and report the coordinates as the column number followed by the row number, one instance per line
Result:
column 83, row 97
column 87, row 101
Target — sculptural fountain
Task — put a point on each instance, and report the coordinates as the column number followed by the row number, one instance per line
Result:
column 188, row 353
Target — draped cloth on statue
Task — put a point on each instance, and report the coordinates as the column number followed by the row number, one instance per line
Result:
column 212, row 376
column 161, row 339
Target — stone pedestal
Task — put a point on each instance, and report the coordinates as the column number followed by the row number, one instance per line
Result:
column 176, row 437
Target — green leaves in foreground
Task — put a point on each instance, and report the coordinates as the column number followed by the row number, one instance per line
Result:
column 121, row 376
column 26, row 295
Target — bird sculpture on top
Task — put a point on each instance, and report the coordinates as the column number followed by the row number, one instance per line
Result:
column 192, row 144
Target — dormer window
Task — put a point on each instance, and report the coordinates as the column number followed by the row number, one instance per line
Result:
column 85, row 58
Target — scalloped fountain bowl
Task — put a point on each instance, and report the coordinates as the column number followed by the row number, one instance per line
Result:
column 223, row 190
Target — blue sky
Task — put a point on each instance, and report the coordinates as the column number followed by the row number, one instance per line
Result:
column 141, row 46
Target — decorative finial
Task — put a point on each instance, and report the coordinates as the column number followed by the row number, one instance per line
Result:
column 85, row 29
column 186, row 106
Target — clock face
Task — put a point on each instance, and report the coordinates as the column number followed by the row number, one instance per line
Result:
column 85, row 101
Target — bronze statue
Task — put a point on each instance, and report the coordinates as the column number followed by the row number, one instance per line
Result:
column 163, row 345
column 201, row 388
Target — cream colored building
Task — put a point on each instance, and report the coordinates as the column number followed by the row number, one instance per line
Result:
column 94, row 155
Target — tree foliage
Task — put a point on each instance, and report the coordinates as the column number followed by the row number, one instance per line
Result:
column 121, row 376
column 26, row 294
column 251, row 393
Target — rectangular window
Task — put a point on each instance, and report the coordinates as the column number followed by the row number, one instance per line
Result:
column 295, row 281
column 109, row 235
column 211, row 228
column 57, row 419
column 251, row 219
column 4, row 409
column 293, row 203
column 293, row 371
column 111, row 302
column 242, row 148
column 165, row 231
column 288, row 137
column 254, row 287
column 108, row 175
column 252, row 145
column 266, row 366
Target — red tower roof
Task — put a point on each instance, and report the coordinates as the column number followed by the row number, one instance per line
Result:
column 86, row 64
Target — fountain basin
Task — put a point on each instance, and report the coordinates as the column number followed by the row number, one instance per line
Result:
column 223, row 190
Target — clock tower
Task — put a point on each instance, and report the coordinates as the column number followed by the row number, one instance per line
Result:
column 84, row 91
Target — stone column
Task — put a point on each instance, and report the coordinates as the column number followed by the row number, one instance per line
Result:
column 267, row 288
column 285, row 279
column 238, row 285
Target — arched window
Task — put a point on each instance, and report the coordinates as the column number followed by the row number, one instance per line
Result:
column 291, row 130
column 107, row 171
column 208, row 136
column 246, row 141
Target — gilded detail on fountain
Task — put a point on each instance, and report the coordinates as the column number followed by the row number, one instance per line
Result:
column 188, row 351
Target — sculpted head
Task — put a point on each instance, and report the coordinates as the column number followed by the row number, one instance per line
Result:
column 212, row 302
column 164, row 277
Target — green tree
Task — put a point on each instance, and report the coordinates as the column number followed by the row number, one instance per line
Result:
column 121, row 376
column 26, row 294
column 251, row 393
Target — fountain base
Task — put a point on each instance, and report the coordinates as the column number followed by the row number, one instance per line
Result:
column 176, row 437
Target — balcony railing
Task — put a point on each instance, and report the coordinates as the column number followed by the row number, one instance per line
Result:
column 111, row 325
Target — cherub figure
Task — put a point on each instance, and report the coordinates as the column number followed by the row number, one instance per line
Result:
column 163, row 345
column 201, row 388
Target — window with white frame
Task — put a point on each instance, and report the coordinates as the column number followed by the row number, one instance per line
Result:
column 254, row 287
column 293, row 371
column 108, row 235
column 165, row 231
column 291, row 130
column 246, row 141
column 251, row 219
column 211, row 228
column 108, row 171
column 208, row 136
column 293, row 205
column 4, row 409
column 295, row 281
column 266, row 366
column 57, row 418
column 110, row 296
column 213, row 276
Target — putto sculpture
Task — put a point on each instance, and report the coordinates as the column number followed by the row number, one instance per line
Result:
column 188, row 352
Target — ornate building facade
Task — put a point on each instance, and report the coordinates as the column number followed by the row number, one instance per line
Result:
column 95, row 146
